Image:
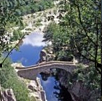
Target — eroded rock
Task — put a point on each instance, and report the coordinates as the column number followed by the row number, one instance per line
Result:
column 7, row 95
column 36, row 90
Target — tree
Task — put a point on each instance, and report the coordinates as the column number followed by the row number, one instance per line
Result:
column 9, row 20
column 84, row 25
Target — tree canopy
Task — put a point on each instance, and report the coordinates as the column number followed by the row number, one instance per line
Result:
column 79, row 31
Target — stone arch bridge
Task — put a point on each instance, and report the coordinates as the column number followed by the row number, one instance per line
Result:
column 32, row 71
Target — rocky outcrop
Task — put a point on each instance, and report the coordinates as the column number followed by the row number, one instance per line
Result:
column 64, row 77
column 34, row 86
column 79, row 92
column 46, row 56
column 7, row 95
column 36, row 90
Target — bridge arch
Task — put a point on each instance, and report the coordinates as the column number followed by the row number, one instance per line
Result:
column 32, row 71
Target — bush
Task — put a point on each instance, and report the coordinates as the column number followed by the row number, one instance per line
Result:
column 9, row 79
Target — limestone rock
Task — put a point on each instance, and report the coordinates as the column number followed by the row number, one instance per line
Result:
column 43, row 56
column 36, row 90
column 42, row 92
column 46, row 56
column 17, row 66
column 7, row 95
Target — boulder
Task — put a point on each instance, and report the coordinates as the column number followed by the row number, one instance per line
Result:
column 46, row 56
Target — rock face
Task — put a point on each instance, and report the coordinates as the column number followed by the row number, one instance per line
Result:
column 64, row 77
column 14, row 65
column 46, row 56
column 79, row 92
column 34, row 86
column 36, row 90
column 7, row 95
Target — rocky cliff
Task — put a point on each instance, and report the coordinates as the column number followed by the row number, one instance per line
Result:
column 34, row 86
column 36, row 90
column 7, row 95
column 77, row 89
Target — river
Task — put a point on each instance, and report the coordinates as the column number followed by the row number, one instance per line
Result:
column 28, row 54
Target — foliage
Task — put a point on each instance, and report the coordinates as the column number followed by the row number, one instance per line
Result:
column 60, row 39
column 83, row 24
column 89, row 78
column 49, row 31
column 38, row 23
column 32, row 98
column 32, row 6
column 78, row 32
column 9, row 79
column 8, row 20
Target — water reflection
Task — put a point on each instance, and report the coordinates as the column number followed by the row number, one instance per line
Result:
column 28, row 54
column 54, row 90
column 63, row 94
column 44, row 76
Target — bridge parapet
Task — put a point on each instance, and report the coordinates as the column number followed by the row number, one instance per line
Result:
column 46, row 63
column 32, row 71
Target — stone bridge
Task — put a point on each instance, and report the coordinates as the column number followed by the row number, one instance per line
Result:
column 32, row 71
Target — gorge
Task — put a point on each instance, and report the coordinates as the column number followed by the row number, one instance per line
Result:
column 14, row 58
column 50, row 54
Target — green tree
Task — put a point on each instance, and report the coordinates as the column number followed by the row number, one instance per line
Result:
column 8, row 19
column 79, row 30
column 83, row 24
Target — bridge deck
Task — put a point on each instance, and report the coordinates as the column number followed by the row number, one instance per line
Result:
column 46, row 64
column 31, row 72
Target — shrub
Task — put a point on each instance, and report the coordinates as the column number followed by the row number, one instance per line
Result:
column 9, row 79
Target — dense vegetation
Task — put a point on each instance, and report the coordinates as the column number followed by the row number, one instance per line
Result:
column 78, row 35
column 9, row 79
column 24, row 7
column 10, row 12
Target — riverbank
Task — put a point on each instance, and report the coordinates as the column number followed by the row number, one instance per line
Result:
column 34, row 86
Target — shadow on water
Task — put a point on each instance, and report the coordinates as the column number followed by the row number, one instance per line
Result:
column 63, row 94
column 54, row 90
